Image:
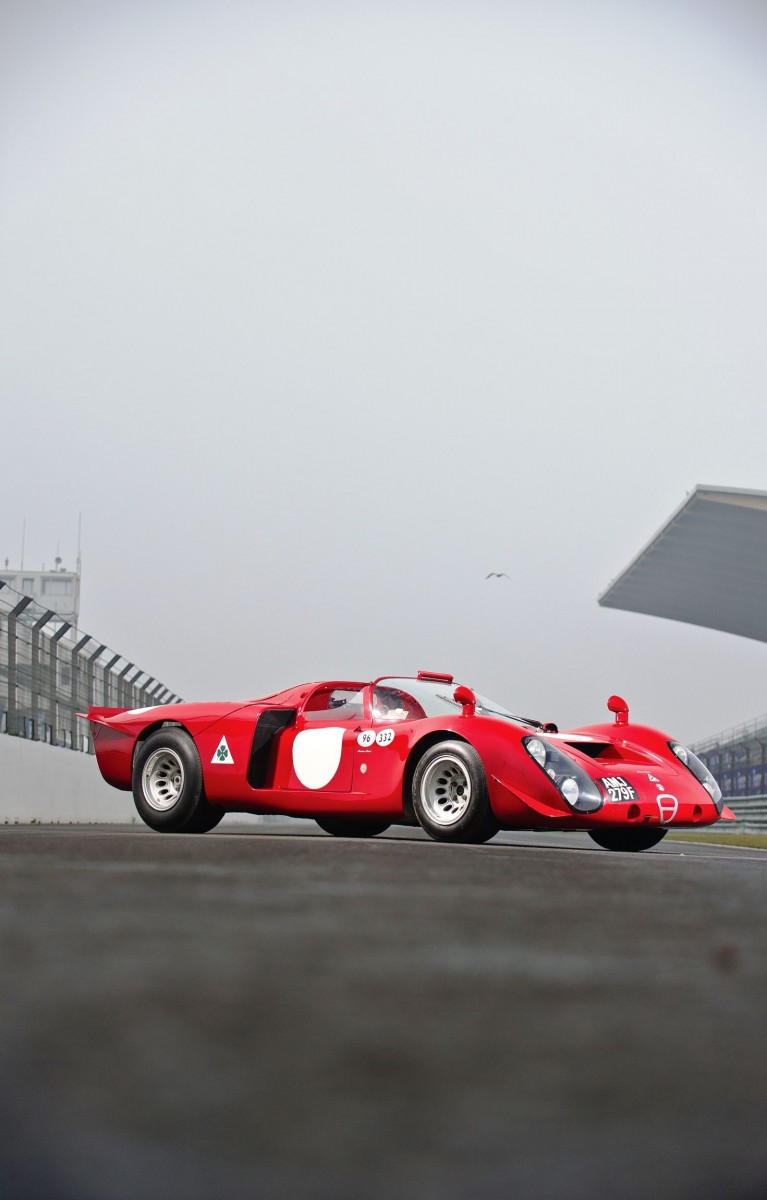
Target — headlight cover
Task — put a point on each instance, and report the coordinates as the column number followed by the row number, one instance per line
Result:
column 700, row 771
column 576, row 787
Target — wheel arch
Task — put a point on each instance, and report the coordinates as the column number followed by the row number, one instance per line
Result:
column 433, row 738
column 153, row 728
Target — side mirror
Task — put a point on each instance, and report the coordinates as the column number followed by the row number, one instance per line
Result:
column 619, row 706
column 465, row 696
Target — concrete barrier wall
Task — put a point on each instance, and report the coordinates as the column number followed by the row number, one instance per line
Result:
column 45, row 783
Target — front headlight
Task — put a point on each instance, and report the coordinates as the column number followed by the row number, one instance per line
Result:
column 579, row 789
column 699, row 770
column 535, row 746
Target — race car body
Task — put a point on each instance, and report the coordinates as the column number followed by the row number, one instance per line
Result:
column 358, row 757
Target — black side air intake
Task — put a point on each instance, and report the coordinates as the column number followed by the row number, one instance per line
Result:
column 270, row 724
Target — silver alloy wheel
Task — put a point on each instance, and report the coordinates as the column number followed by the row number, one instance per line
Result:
column 162, row 779
column 446, row 790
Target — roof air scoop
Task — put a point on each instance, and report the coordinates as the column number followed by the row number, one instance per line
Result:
column 618, row 705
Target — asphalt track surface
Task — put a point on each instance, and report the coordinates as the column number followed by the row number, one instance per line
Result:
column 269, row 1012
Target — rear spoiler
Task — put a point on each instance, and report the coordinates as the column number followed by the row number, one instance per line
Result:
column 101, row 715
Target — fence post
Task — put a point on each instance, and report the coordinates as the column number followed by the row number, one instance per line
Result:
column 15, row 612
column 36, row 682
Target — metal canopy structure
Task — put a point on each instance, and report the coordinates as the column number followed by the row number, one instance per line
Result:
column 706, row 566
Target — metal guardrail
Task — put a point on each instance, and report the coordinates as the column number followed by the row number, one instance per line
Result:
column 751, row 812
column 50, row 671
column 735, row 735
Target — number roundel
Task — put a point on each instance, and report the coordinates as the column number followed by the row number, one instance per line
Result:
column 369, row 737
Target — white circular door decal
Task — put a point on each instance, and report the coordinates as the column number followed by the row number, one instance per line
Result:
column 317, row 756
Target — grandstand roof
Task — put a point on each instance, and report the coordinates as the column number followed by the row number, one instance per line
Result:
column 706, row 566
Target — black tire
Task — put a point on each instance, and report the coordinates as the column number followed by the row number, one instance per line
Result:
column 450, row 796
column 627, row 839
column 167, row 784
column 205, row 819
column 351, row 826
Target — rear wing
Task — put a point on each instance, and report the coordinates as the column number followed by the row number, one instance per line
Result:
column 101, row 715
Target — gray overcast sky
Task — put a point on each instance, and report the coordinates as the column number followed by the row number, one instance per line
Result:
column 319, row 312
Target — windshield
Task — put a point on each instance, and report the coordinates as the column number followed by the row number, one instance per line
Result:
column 413, row 699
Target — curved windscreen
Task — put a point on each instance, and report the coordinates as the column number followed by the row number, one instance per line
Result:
column 403, row 699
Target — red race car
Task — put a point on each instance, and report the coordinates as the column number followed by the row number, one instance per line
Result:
column 359, row 757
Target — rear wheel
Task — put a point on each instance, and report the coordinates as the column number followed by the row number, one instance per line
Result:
column 450, row 795
column 204, row 819
column 351, row 827
column 167, row 784
column 627, row 839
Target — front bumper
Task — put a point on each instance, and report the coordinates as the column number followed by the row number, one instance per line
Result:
column 685, row 807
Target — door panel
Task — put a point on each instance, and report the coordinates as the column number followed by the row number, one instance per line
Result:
column 317, row 757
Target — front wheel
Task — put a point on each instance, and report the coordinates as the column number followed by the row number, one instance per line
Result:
column 627, row 839
column 351, row 827
column 167, row 784
column 450, row 795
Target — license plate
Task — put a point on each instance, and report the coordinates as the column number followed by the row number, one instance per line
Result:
column 618, row 789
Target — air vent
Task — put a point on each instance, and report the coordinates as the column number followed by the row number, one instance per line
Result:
column 595, row 749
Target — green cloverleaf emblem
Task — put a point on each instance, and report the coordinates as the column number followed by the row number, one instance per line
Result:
column 222, row 753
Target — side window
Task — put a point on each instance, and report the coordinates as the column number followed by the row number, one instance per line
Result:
column 392, row 704
column 335, row 704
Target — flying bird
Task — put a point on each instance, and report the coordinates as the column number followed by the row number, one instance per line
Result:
column 497, row 575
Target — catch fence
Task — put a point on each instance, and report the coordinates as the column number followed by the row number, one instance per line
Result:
column 50, row 671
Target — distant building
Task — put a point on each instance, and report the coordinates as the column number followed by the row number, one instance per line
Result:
column 58, row 590
column 738, row 758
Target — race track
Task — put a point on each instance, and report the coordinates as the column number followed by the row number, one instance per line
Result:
column 267, row 1012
